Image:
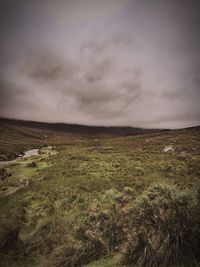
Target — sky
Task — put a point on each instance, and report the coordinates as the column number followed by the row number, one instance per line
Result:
column 101, row 62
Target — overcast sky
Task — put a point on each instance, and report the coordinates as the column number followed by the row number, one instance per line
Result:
column 101, row 62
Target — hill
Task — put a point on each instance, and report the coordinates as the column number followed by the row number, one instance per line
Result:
column 31, row 134
column 100, row 200
column 77, row 129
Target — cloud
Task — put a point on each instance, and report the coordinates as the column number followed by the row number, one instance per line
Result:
column 93, row 83
column 136, row 64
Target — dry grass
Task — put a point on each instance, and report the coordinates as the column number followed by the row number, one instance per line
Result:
column 165, row 225
column 88, row 200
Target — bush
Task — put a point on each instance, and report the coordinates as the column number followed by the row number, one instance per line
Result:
column 32, row 164
column 78, row 255
column 5, row 173
column 165, row 229
column 9, row 230
column 9, row 236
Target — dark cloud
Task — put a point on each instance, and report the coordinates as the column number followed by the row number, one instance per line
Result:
column 98, row 70
column 131, row 63
column 13, row 97
column 47, row 67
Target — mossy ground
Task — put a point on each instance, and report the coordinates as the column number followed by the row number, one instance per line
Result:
column 85, row 177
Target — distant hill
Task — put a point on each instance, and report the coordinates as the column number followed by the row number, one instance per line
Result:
column 78, row 129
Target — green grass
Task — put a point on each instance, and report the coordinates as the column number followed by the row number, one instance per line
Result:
column 79, row 192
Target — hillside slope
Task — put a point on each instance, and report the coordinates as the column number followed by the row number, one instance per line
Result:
column 31, row 134
column 74, row 128
column 88, row 198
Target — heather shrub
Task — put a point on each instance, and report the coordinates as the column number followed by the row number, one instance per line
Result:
column 164, row 223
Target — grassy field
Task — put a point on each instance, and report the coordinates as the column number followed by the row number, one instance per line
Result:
column 100, row 201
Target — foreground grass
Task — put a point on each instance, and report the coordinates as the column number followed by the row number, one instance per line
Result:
column 82, row 196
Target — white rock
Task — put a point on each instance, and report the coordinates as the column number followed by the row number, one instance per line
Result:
column 168, row 149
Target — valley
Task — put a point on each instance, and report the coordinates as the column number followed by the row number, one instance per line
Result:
column 99, row 199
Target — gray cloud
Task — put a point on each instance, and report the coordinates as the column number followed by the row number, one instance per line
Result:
column 134, row 63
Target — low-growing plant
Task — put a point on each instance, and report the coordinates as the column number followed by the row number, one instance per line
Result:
column 32, row 164
column 165, row 229
column 77, row 254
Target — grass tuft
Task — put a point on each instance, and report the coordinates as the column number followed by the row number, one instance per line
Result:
column 165, row 228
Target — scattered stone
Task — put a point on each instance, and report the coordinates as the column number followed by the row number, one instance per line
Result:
column 30, row 153
column 168, row 149
column 11, row 158
column 25, row 183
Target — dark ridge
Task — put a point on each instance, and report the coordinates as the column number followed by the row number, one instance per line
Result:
column 75, row 128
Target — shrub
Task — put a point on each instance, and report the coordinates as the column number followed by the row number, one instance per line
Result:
column 9, row 236
column 9, row 230
column 5, row 173
column 112, row 228
column 77, row 254
column 32, row 164
column 165, row 229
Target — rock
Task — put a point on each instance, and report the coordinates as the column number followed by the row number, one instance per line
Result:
column 168, row 149
column 24, row 183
